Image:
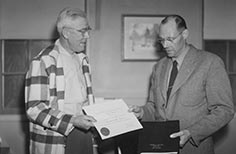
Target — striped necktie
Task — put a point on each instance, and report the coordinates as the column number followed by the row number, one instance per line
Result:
column 173, row 75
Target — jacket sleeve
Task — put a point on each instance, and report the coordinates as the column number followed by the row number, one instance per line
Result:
column 150, row 113
column 39, row 108
column 219, row 103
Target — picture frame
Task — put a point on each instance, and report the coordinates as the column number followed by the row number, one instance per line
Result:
column 139, row 37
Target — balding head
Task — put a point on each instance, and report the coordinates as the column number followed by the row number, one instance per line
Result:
column 180, row 22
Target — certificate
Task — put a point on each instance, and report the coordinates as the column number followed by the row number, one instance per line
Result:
column 113, row 118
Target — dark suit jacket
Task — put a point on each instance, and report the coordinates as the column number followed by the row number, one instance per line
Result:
column 201, row 98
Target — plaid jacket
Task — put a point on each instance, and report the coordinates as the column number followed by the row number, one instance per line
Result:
column 44, row 98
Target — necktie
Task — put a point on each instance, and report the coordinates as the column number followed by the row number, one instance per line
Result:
column 173, row 75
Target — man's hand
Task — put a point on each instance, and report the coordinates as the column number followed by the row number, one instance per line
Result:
column 137, row 110
column 83, row 121
column 184, row 136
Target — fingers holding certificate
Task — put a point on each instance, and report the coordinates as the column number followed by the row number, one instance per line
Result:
column 112, row 118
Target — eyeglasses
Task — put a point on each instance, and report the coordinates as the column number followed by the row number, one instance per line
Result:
column 169, row 39
column 83, row 31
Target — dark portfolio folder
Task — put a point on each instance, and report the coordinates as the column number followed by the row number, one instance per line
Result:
column 155, row 137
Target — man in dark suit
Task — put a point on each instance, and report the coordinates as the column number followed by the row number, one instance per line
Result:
column 189, row 85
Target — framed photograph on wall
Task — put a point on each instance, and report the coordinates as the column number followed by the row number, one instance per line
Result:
column 139, row 37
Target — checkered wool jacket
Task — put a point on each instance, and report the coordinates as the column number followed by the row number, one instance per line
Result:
column 44, row 98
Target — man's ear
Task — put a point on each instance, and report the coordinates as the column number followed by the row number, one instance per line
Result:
column 64, row 33
column 185, row 33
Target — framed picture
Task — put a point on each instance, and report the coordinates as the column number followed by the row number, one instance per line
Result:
column 139, row 37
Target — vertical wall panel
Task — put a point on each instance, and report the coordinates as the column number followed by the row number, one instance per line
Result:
column 32, row 19
column 219, row 19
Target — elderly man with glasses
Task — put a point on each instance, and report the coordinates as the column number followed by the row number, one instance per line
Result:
column 189, row 85
column 57, row 86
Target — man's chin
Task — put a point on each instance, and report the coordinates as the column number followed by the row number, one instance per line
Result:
column 170, row 54
column 80, row 49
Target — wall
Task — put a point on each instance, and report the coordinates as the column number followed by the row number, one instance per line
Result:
column 219, row 19
column 225, row 139
column 112, row 77
column 31, row 19
column 220, row 23
column 14, row 132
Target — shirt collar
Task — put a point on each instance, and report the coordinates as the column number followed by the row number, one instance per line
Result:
column 61, row 48
column 180, row 58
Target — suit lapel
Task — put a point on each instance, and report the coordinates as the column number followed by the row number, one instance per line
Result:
column 187, row 67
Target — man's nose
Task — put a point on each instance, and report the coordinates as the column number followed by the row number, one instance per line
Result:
column 164, row 43
column 86, row 35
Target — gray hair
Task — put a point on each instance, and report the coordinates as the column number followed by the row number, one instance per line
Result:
column 67, row 16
